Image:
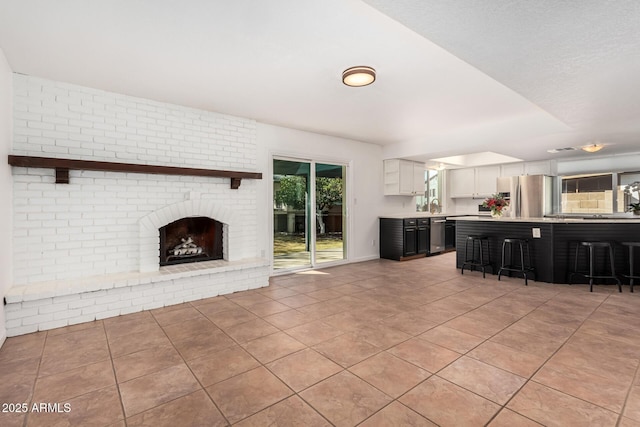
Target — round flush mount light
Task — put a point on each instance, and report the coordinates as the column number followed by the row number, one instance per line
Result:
column 358, row 76
column 592, row 148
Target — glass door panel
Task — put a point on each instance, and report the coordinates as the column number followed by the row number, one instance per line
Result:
column 292, row 236
column 330, row 209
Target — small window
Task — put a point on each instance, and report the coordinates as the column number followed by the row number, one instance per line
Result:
column 587, row 194
column 430, row 201
column 627, row 190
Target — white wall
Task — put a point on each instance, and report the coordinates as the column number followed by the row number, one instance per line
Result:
column 6, row 201
column 366, row 201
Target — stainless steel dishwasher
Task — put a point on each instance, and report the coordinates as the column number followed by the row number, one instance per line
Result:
column 437, row 235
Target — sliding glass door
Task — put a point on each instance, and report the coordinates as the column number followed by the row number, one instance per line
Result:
column 309, row 213
column 330, row 205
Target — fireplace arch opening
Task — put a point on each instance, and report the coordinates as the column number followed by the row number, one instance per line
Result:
column 191, row 239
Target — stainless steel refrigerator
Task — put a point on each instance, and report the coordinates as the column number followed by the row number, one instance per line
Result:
column 530, row 196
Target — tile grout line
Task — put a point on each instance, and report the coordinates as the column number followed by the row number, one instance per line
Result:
column 263, row 365
column 626, row 399
column 487, row 339
column 530, row 379
column 189, row 367
column 461, row 354
column 115, row 377
column 397, row 399
column 35, row 381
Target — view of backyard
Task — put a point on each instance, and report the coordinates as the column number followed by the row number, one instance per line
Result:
column 284, row 244
column 300, row 213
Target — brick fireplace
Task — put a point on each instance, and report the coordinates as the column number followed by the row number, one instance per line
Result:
column 90, row 249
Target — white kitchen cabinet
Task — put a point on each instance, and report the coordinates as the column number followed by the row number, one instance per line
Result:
column 538, row 168
column 512, row 169
column 418, row 178
column 403, row 178
column 473, row 182
column 486, row 180
column 462, row 182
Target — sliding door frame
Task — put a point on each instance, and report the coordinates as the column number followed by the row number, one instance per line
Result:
column 347, row 200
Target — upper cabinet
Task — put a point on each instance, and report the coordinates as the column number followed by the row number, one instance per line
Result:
column 487, row 180
column 473, row 182
column 545, row 167
column 462, row 182
column 481, row 182
column 512, row 169
column 538, row 168
column 403, row 178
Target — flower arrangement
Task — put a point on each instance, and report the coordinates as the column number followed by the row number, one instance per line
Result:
column 634, row 187
column 497, row 204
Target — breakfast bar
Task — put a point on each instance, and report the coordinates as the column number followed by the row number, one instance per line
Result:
column 552, row 241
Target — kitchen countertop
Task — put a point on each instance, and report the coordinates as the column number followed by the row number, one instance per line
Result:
column 617, row 220
column 416, row 215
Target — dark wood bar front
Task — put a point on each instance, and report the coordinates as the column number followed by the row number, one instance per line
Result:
column 553, row 253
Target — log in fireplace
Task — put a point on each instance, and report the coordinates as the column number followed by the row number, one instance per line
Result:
column 191, row 239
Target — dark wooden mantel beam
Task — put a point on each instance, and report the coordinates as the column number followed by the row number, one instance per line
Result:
column 62, row 167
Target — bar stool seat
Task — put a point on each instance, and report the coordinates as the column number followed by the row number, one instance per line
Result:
column 631, row 275
column 591, row 248
column 523, row 268
column 482, row 243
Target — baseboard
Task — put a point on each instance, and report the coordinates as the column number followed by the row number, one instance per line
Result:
column 365, row 258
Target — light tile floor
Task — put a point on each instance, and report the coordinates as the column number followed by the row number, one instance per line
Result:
column 379, row 343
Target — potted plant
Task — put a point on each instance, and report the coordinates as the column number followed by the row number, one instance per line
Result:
column 497, row 204
column 634, row 187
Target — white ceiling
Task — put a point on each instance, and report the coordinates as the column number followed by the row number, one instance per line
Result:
column 454, row 77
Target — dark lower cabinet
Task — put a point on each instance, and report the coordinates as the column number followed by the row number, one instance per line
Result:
column 423, row 235
column 450, row 235
column 403, row 238
column 410, row 241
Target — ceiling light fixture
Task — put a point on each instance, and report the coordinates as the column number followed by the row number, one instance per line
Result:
column 358, row 76
column 592, row 148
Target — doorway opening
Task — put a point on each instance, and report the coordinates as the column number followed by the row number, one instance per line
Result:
column 309, row 213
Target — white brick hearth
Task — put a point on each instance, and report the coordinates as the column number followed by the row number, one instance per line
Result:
column 89, row 249
column 59, row 303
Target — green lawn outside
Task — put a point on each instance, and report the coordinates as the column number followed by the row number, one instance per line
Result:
column 284, row 244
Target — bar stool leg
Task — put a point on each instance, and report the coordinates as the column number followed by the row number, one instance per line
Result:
column 575, row 264
column 481, row 258
column 631, row 267
column 502, row 264
column 488, row 258
column 466, row 256
column 613, row 268
column 524, row 272
column 591, row 261
column 529, row 265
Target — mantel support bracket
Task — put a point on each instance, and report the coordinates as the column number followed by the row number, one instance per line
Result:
column 62, row 176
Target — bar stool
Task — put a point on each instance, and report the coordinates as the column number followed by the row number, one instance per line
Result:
column 482, row 244
column 591, row 251
column 522, row 268
column 630, row 276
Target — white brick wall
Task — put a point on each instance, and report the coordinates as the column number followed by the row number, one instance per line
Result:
column 90, row 226
column 48, row 313
column 62, row 120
